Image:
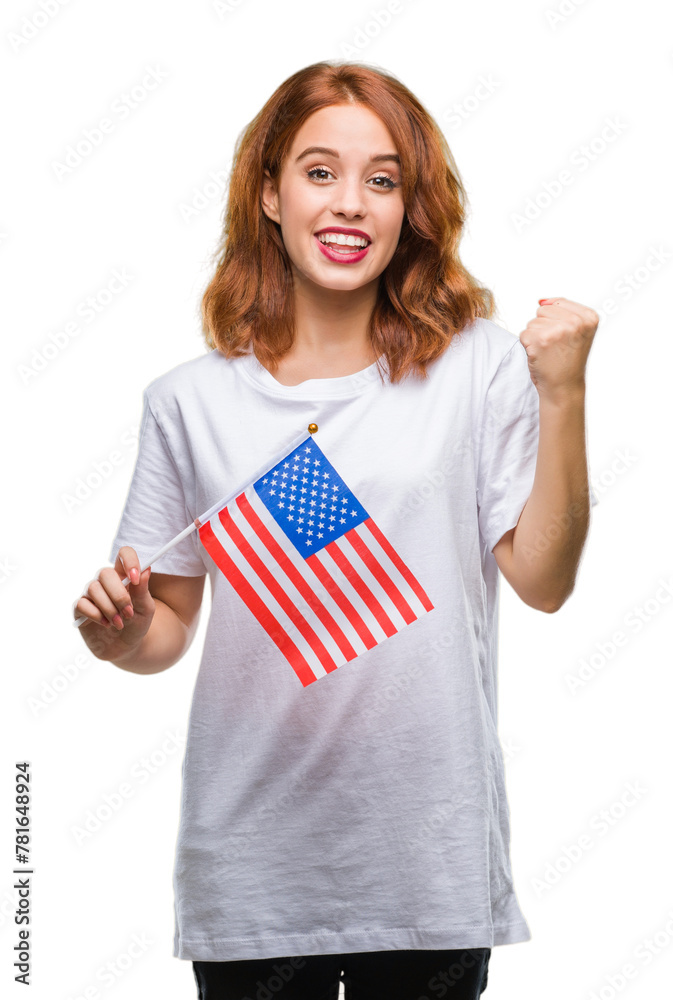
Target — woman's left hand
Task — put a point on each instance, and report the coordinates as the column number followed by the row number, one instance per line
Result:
column 557, row 343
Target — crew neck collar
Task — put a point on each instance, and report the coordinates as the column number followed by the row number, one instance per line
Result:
column 342, row 385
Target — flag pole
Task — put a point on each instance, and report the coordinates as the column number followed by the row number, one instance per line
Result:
column 198, row 521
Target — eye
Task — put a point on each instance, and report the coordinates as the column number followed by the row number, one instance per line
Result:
column 384, row 177
column 317, row 170
column 390, row 183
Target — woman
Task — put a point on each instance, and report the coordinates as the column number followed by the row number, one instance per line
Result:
column 347, row 822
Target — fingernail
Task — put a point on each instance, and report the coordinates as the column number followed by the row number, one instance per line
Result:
column 544, row 302
column 127, row 611
column 118, row 621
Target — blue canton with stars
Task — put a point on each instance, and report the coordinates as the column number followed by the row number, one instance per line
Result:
column 308, row 499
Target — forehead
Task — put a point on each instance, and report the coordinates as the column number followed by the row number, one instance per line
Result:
column 345, row 128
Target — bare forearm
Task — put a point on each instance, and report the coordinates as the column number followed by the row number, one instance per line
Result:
column 547, row 542
column 166, row 641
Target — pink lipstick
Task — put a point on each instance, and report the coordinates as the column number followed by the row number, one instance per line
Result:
column 340, row 256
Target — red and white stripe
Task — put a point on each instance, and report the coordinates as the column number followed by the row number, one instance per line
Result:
column 321, row 611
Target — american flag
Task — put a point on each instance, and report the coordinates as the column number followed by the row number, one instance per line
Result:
column 312, row 566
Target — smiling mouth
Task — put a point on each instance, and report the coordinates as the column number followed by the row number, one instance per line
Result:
column 346, row 251
column 354, row 241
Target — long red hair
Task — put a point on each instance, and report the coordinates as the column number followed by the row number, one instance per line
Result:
column 425, row 295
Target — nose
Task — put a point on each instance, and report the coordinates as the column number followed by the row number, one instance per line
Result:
column 348, row 199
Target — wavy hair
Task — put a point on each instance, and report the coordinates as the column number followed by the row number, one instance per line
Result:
column 425, row 294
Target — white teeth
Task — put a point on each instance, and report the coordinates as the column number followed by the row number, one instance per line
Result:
column 352, row 241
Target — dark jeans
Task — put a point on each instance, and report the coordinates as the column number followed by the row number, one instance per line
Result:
column 460, row 974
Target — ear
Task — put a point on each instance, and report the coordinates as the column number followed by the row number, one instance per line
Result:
column 270, row 197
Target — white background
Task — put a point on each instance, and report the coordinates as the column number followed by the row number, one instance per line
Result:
column 533, row 88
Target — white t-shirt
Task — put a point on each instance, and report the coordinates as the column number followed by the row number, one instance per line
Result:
column 365, row 811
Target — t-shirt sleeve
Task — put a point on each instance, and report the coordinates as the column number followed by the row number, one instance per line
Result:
column 507, row 447
column 155, row 509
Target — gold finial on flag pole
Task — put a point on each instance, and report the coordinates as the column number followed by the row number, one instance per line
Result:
column 312, row 428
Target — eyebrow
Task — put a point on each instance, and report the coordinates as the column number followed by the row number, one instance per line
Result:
column 379, row 158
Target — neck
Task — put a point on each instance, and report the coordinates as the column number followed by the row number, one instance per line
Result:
column 331, row 323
